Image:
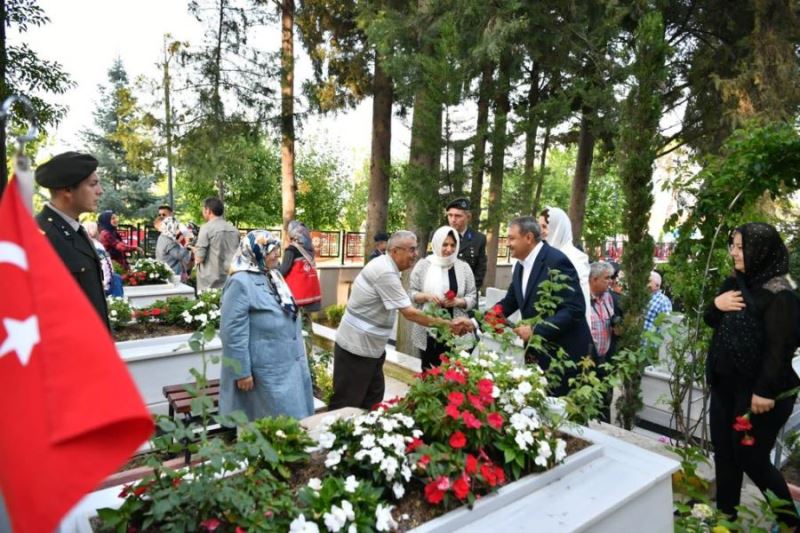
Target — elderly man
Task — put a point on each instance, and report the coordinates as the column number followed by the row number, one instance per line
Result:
column 566, row 327
column 472, row 247
column 369, row 318
column 605, row 314
column 659, row 303
column 74, row 188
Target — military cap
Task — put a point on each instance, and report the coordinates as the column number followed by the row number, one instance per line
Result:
column 381, row 237
column 459, row 203
column 65, row 170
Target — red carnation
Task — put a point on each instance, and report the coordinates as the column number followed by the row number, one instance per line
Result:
column 748, row 440
column 415, row 443
column 470, row 420
column 742, row 423
column 449, row 295
column 461, row 487
column 476, row 402
column 488, row 475
column 495, row 420
column 452, row 411
column 471, row 465
column 485, row 388
column 433, row 494
column 456, row 398
column 455, row 376
column 458, row 440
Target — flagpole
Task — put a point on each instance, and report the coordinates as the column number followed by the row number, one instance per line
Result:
column 21, row 162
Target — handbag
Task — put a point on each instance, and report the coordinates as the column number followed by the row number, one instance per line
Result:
column 303, row 280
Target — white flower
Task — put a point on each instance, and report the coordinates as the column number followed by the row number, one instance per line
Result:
column 544, row 454
column 701, row 511
column 188, row 319
column 495, row 391
column 333, row 459
column 484, row 363
column 398, row 490
column 387, row 440
column 352, row 529
column 376, row 455
column 383, row 518
column 520, row 440
column 315, row 483
column 417, row 433
column 389, row 465
column 561, row 450
column 388, row 424
column 368, row 441
column 202, row 318
column 405, row 471
column 280, row 434
column 114, row 312
column 299, row 525
column 525, row 387
column 326, row 439
column 361, row 454
column 350, row 484
column 336, row 519
column 347, row 507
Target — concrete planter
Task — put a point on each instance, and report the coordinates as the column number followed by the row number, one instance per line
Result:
column 515, row 352
column 144, row 295
column 656, row 396
column 610, row 486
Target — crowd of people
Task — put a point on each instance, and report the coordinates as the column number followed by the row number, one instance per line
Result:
column 754, row 317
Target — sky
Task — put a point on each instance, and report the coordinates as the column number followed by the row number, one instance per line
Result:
column 86, row 36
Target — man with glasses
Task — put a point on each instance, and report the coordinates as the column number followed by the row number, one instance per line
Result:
column 377, row 295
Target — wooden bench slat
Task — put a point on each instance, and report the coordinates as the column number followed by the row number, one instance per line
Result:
column 181, row 387
column 185, row 405
column 182, row 395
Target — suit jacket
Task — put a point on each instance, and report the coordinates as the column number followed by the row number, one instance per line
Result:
column 472, row 250
column 567, row 327
column 78, row 255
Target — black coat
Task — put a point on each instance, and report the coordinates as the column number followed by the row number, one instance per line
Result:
column 78, row 255
column 472, row 250
column 571, row 332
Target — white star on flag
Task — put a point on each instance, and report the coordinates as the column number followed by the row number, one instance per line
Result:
column 23, row 335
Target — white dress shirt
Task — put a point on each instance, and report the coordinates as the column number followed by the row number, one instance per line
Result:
column 527, row 266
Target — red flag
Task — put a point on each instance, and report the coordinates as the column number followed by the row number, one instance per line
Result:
column 71, row 413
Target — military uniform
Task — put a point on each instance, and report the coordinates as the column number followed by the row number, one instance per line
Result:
column 78, row 255
column 472, row 251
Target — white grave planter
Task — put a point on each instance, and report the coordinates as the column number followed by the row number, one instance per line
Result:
column 160, row 361
column 144, row 295
column 657, row 397
column 611, row 486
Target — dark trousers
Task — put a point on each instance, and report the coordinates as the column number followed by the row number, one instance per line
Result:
column 431, row 355
column 602, row 374
column 732, row 460
column 357, row 381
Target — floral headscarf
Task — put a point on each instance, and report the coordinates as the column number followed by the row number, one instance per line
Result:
column 169, row 227
column 298, row 232
column 765, row 254
column 251, row 257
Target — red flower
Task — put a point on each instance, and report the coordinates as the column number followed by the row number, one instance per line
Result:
column 443, row 483
column 470, row 420
column 433, row 494
column 742, row 423
column 176, row 482
column 435, row 371
column 458, row 440
column 498, row 310
column 138, row 491
column 748, row 440
column 156, row 312
column 455, row 376
column 461, row 487
column 476, row 402
column 422, row 464
column 449, row 295
column 471, row 465
column 414, row 444
column 452, row 411
column 485, row 388
column 210, row 524
column 495, row 420
column 126, row 489
column 456, row 398
column 488, row 475
column 499, row 474
column 240, row 529
column 443, row 358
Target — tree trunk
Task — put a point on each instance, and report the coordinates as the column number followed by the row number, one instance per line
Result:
column 580, row 180
column 479, row 152
column 531, row 131
column 168, row 124
column 380, row 159
column 3, row 94
column 501, row 109
column 540, row 178
column 288, row 184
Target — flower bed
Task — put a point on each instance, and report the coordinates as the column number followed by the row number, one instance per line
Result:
column 147, row 271
column 181, row 312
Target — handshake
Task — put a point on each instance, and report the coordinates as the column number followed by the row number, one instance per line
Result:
column 461, row 325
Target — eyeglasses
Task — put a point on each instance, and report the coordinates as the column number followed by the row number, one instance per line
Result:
column 411, row 249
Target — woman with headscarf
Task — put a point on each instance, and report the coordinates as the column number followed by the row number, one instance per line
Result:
column 299, row 269
column 260, row 330
column 169, row 250
column 557, row 231
column 755, row 317
column 441, row 280
column 112, row 282
column 112, row 241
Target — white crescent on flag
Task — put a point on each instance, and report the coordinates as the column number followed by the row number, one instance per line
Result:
column 22, row 335
column 11, row 252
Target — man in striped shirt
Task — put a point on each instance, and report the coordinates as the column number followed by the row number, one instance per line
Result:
column 377, row 295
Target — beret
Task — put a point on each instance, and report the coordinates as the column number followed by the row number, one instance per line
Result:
column 381, row 237
column 459, row 203
column 65, row 170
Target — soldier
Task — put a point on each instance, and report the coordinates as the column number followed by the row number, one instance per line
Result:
column 473, row 243
column 74, row 188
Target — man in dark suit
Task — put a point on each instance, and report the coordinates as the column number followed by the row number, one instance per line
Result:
column 472, row 249
column 566, row 328
column 74, row 188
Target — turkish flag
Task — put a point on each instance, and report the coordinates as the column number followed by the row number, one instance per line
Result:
column 71, row 413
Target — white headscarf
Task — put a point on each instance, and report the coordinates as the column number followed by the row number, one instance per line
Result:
column 559, row 235
column 439, row 264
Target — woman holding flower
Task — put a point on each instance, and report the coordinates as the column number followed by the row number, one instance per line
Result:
column 755, row 318
column 260, row 330
column 441, row 280
column 112, row 240
column 168, row 248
